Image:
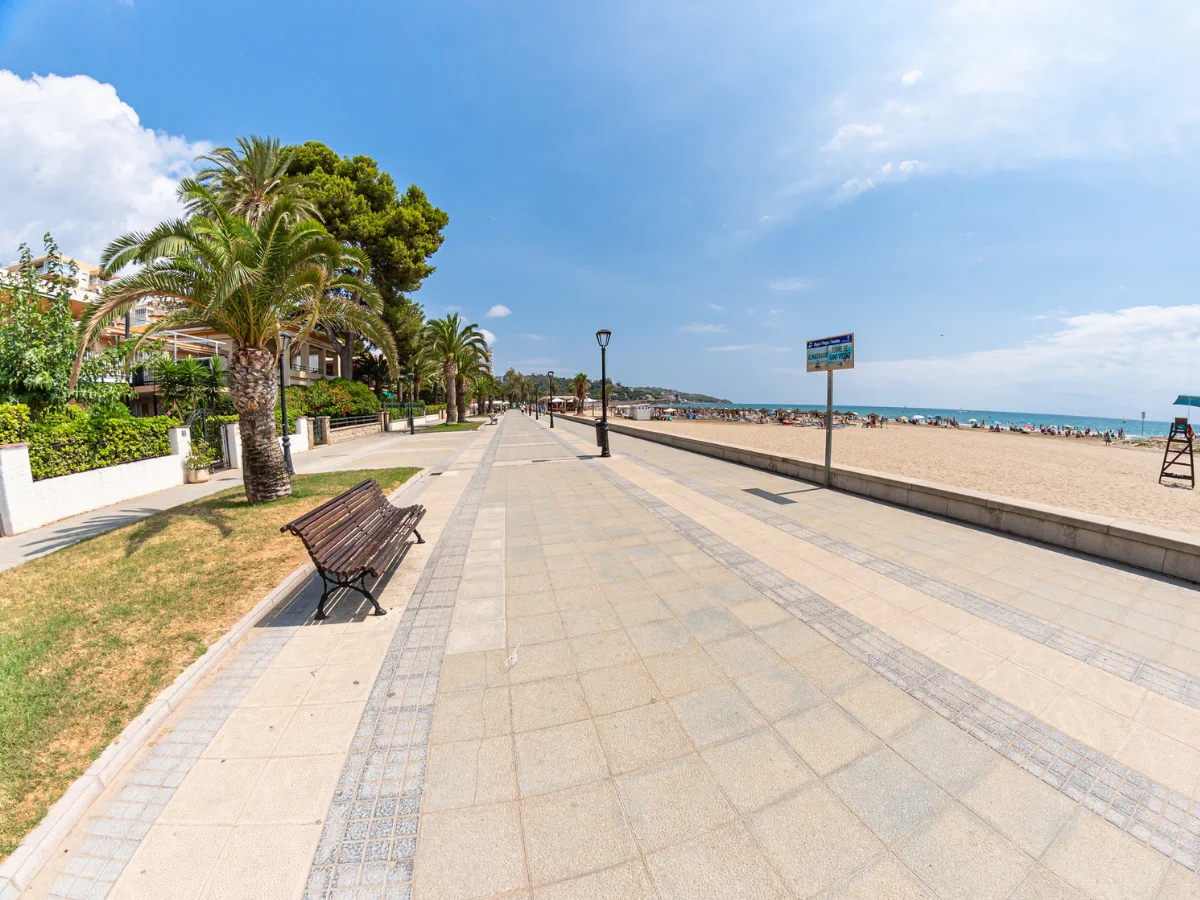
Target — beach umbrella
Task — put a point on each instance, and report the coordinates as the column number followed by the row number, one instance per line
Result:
column 918, row 416
column 972, row 420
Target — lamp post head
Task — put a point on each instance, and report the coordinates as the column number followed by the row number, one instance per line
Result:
column 284, row 339
column 602, row 337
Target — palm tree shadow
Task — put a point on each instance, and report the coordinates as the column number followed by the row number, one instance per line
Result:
column 209, row 513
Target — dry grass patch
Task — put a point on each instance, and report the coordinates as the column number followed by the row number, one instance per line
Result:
column 90, row 634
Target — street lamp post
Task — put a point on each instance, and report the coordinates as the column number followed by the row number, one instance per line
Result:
column 284, row 341
column 412, row 429
column 550, row 401
column 536, row 406
column 602, row 338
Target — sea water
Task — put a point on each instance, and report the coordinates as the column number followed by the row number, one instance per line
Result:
column 1132, row 424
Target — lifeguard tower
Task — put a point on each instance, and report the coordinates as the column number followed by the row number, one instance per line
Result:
column 1177, row 457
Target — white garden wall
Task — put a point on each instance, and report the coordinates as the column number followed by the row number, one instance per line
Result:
column 26, row 504
column 300, row 442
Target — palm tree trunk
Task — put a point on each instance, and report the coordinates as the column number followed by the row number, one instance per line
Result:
column 461, row 388
column 451, row 373
column 253, row 391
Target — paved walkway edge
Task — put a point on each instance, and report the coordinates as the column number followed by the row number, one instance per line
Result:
column 1159, row 550
column 18, row 871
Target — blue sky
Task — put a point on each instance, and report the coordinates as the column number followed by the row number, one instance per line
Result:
column 998, row 199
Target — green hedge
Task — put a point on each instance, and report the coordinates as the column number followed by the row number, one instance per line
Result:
column 14, row 423
column 75, row 442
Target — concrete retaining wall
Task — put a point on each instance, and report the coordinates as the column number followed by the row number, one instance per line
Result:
column 26, row 504
column 300, row 442
column 1144, row 546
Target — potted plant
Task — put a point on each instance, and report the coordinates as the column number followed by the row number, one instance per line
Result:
column 199, row 462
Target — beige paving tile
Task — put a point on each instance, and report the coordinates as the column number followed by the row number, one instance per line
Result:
column 1179, row 884
column 539, row 629
column 1108, row 690
column 472, row 636
column 884, row 876
column 779, row 691
column 553, row 701
column 258, row 862
column 961, row 656
column 662, row 636
column 889, row 795
column 469, row 853
column 640, row 737
column 575, row 831
column 339, row 684
column 213, row 792
column 761, row 614
column 826, row 738
column 1162, row 758
column 716, row 714
column 684, row 671
column 280, row 687
column 608, row 648
column 1050, row 664
column 1087, row 721
column 293, row 790
column 558, row 757
column 724, row 862
column 880, row 706
column 309, row 648
column 471, row 715
column 172, row 862
column 591, row 620
column 943, row 753
column 1041, row 884
column 628, row 881
column 463, row 672
column 634, row 612
column 1103, row 862
column 812, row 840
column 831, row 669
column 756, row 769
column 548, row 660
column 962, row 858
column 1019, row 806
column 672, row 802
column 470, row 773
column 945, row 616
column 792, row 639
column 1020, row 687
column 741, row 654
column 618, row 687
column 913, row 631
column 1170, row 718
column 250, row 732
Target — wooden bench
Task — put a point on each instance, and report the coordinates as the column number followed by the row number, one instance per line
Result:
column 356, row 534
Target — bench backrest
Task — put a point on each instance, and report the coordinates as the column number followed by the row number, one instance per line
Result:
column 337, row 526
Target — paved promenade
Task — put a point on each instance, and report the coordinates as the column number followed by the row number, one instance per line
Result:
column 662, row 675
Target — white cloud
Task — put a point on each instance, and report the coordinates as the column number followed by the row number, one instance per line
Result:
column 716, row 308
column 1100, row 363
column 790, row 284
column 488, row 336
column 911, row 78
column 733, row 348
column 499, row 311
column 532, row 337
column 77, row 162
column 703, row 328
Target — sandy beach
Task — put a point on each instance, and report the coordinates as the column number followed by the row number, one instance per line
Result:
column 1120, row 481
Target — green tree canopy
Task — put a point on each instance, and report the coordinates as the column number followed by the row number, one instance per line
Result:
column 399, row 233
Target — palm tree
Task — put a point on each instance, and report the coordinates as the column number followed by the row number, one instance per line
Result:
column 373, row 370
column 446, row 340
column 250, row 182
column 253, row 281
column 579, row 387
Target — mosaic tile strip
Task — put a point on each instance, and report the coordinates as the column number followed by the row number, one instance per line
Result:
column 1162, row 818
column 111, row 837
column 369, row 840
column 1154, row 676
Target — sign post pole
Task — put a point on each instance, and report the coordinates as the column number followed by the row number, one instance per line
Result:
column 829, row 428
column 825, row 355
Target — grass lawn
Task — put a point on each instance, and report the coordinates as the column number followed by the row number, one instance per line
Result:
column 90, row 634
column 457, row 426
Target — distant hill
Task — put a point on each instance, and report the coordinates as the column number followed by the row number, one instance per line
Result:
column 625, row 394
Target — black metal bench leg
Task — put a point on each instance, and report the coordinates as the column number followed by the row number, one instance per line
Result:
column 321, row 614
column 420, row 540
column 362, row 589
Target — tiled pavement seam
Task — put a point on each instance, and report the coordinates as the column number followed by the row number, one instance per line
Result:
column 112, row 836
column 1157, row 677
column 369, row 839
column 1159, row 817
